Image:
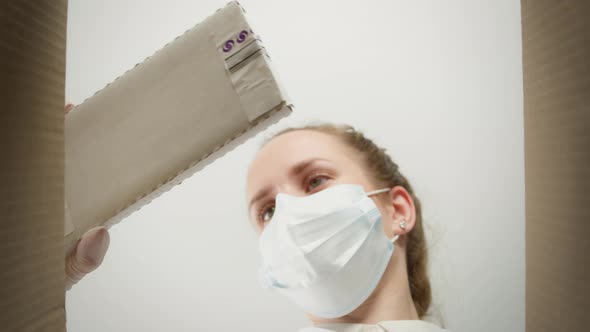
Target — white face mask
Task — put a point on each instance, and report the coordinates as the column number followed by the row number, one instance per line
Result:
column 327, row 251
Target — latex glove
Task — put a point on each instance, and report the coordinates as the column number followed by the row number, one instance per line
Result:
column 89, row 251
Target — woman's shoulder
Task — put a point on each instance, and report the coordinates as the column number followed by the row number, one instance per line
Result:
column 388, row 326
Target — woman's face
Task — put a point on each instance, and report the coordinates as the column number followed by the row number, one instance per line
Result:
column 300, row 163
column 303, row 162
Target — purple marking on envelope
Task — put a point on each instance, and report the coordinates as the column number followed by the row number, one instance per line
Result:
column 242, row 36
column 228, row 46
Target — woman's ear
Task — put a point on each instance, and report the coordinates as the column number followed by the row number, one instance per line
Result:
column 403, row 212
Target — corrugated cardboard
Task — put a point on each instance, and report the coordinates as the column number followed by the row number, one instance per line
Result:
column 32, row 72
column 181, row 108
column 556, row 63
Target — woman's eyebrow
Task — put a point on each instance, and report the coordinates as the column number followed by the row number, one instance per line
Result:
column 301, row 166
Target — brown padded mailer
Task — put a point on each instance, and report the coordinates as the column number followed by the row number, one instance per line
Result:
column 181, row 108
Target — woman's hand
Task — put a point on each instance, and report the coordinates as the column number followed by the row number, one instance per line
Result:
column 89, row 251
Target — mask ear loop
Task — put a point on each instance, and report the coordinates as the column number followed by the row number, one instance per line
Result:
column 395, row 237
column 379, row 191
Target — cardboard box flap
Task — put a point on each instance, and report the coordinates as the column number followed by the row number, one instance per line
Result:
column 32, row 67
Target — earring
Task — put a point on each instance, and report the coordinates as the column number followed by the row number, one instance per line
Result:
column 402, row 224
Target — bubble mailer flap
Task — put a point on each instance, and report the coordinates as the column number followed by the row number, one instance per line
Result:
column 184, row 106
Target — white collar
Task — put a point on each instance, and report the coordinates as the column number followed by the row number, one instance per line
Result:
column 384, row 326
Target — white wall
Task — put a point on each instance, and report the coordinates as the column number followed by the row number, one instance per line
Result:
column 437, row 83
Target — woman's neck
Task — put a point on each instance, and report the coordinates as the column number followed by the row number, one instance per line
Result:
column 391, row 300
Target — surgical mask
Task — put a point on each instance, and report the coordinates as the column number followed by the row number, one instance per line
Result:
column 327, row 251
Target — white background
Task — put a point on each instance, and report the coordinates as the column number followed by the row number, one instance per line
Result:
column 437, row 83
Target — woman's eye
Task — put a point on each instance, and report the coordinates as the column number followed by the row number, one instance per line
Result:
column 316, row 182
column 267, row 214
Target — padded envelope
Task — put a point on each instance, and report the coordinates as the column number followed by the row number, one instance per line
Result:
column 196, row 98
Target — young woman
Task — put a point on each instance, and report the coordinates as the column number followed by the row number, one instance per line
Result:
column 340, row 229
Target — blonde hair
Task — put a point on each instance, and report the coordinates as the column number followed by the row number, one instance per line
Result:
column 385, row 172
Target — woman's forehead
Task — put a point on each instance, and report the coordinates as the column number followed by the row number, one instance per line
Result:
column 289, row 149
column 301, row 143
